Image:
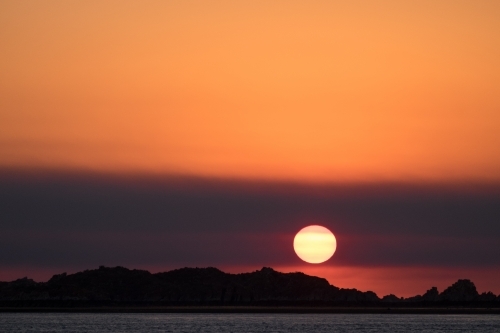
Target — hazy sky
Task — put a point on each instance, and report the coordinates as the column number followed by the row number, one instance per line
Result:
column 161, row 134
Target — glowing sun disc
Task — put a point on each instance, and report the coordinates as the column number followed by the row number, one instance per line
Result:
column 314, row 244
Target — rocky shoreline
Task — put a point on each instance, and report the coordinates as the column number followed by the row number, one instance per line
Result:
column 201, row 288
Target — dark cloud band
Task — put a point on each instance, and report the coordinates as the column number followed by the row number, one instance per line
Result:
column 90, row 219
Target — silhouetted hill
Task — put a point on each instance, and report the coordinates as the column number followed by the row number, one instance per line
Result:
column 209, row 286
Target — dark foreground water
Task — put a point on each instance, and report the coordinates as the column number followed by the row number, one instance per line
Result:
column 217, row 323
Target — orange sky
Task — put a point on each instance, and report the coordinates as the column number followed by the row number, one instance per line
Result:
column 308, row 90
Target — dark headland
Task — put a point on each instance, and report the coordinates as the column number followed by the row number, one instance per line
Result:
column 119, row 289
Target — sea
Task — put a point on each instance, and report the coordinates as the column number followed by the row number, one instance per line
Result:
column 219, row 323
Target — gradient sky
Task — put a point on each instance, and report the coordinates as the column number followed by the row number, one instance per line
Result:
column 161, row 134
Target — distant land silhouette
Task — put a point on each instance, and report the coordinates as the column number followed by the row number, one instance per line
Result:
column 119, row 286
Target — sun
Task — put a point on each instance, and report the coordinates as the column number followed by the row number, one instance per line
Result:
column 315, row 244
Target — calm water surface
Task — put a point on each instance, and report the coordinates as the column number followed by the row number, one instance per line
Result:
column 62, row 322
